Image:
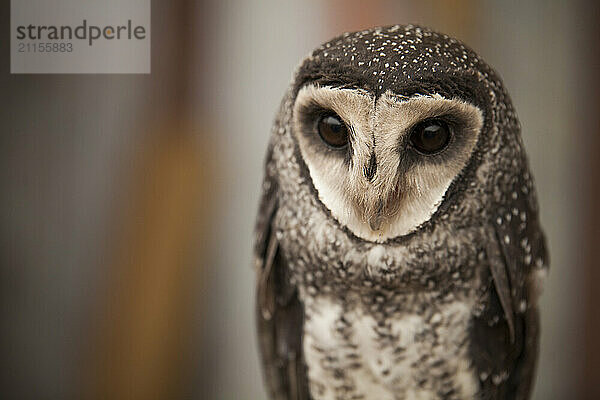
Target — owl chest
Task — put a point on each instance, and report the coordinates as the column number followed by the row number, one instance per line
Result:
column 354, row 353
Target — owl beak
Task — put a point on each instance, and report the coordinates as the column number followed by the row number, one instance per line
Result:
column 381, row 203
column 369, row 171
column 375, row 222
column 370, row 168
column 377, row 219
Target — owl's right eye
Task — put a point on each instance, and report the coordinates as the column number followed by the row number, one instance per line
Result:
column 333, row 131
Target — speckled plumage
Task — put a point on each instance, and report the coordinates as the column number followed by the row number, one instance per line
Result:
column 446, row 311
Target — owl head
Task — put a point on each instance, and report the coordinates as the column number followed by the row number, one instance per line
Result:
column 391, row 123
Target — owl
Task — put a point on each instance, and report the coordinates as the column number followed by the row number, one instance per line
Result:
column 397, row 246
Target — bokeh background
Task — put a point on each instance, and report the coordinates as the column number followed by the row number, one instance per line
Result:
column 127, row 201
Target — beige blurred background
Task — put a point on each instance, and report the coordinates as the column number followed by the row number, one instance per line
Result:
column 128, row 201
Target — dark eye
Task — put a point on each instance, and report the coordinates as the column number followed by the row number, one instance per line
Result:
column 333, row 131
column 431, row 136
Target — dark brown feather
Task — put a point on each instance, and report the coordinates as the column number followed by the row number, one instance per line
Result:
column 506, row 334
column 280, row 314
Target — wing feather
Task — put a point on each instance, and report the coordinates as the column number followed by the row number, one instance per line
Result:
column 280, row 314
column 506, row 335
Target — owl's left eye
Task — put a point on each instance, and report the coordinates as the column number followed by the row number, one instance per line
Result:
column 333, row 131
column 430, row 136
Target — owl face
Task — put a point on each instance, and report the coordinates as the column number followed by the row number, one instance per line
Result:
column 382, row 163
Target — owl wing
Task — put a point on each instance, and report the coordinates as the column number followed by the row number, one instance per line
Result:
column 280, row 314
column 506, row 338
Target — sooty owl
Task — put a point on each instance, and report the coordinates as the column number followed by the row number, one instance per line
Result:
column 398, row 249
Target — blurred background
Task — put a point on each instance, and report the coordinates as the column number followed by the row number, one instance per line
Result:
column 128, row 201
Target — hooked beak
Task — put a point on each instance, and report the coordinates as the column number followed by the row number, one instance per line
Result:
column 377, row 218
column 378, row 202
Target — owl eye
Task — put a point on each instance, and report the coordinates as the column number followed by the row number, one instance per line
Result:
column 333, row 131
column 431, row 136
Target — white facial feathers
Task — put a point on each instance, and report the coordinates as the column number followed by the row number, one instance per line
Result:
column 406, row 187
